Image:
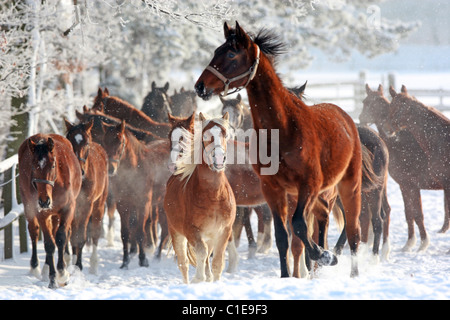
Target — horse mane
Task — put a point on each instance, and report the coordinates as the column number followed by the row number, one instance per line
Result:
column 421, row 107
column 269, row 42
column 186, row 164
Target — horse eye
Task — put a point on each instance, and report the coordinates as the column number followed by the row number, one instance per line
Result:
column 231, row 55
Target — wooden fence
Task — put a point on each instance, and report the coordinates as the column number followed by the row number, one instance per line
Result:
column 12, row 210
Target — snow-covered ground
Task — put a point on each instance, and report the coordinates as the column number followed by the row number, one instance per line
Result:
column 409, row 275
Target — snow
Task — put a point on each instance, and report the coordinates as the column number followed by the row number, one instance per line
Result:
column 407, row 275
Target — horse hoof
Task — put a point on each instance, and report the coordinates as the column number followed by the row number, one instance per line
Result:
column 327, row 259
column 143, row 262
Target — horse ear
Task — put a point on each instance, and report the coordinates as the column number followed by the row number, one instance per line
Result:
column 201, row 117
column 99, row 92
column 226, row 116
column 85, row 109
column 226, row 30
column 404, row 90
column 31, row 145
column 242, row 35
column 392, row 91
column 368, row 90
column 68, row 124
column 380, row 89
column 171, row 118
column 79, row 115
column 106, row 92
column 50, row 144
column 239, row 97
column 166, row 87
column 191, row 119
column 153, row 85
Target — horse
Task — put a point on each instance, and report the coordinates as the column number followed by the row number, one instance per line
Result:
column 200, row 203
column 183, row 103
column 319, row 146
column 240, row 117
column 49, row 184
column 409, row 165
column 157, row 103
column 138, row 174
column 118, row 108
column 94, row 191
column 431, row 129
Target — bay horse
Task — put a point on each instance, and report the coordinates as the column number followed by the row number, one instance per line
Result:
column 157, row 103
column 118, row 108
column 200, row 203
column 138, row 173
column 49, row 184
column 94, row 191
column 431, row 129
column 319, row 145
column 183, row 103
column 409, row 165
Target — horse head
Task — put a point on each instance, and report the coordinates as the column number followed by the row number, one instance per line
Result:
column 233, row 66
column 80, row 137
column 43, row 171
column 157, row 103
column 176, row 138
column 235, row 108
column 400, row 109
column 214, row 141
column 375, row 107
column 114, row 143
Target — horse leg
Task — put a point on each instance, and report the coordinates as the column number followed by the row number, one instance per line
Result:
column 414, row 213
column 238, row 224
column 33, row 230
column 98, row 211
column 249, row 232
column 179, row 243
column 300, row 270
column 350, row 193
column 201, row 254
column 266, row 238
column 111, row 207
column 61, row 239
column 386, row 221
column 277, row 201
column 364, row 218
column 218, row 260
column 233, row 256
column 164, row 231
column 143, row 216
column 446, row 224
column 125, row 235
column 375, row 202
column 49, row 246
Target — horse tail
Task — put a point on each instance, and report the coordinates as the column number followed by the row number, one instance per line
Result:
column 370, row 180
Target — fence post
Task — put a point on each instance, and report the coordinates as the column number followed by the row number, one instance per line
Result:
column 7, row 206
column 359, row 92
column 391, row 81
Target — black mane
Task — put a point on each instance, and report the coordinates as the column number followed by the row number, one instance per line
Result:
column 269, row 42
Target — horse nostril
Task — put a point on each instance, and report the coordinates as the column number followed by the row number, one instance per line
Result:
column 44, row 204
column 200, row 89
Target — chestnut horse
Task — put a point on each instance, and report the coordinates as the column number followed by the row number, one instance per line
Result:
column 94, row 191
column 200, row 203
column 408, row 164
column 431, row 129
column 118, row 108
column 49, row 183
column 319, row 145
column 138, row 173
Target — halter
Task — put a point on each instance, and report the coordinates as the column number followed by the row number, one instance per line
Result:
column 250, row 73
column 50, row 182
column 208, row 153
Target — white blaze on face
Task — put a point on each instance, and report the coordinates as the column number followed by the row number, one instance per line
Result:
column 176, row 135
column 217, row 150
column 78, row 138
column 42, row 163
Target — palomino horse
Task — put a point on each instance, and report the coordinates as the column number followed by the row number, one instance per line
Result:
column 94, row 191
column 183, row 103
column 319, row 146
column 138, row 173
column 409, row 165
column 431, row 129
column 49, row 182
column 157, row 103
column 115, row 107
column 199, row 202
column 241, row 119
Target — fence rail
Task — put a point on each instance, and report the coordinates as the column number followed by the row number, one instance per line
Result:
column 12, row 210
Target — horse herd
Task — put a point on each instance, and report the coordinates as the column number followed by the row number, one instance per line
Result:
column 140, row 162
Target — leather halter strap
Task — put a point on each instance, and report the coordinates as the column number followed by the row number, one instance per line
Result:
column 250, row 73
column 50, row 182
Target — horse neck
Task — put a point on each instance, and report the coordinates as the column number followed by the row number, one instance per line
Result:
column 133, row 150
column 269, row 99
column 207, row 179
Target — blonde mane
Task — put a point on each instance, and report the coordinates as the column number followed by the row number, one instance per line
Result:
column 192, row 155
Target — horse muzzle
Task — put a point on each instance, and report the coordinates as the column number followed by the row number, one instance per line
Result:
column 202, row 91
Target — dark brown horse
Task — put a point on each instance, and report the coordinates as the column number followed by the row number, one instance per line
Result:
column 200, row 204
column 183, row 103
column 431, row 129
column 118, row 108
column 138, row 173
column 408, row 164
column 49, row 183
column 319, row 146
column 157, row 103
column 94, row 191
